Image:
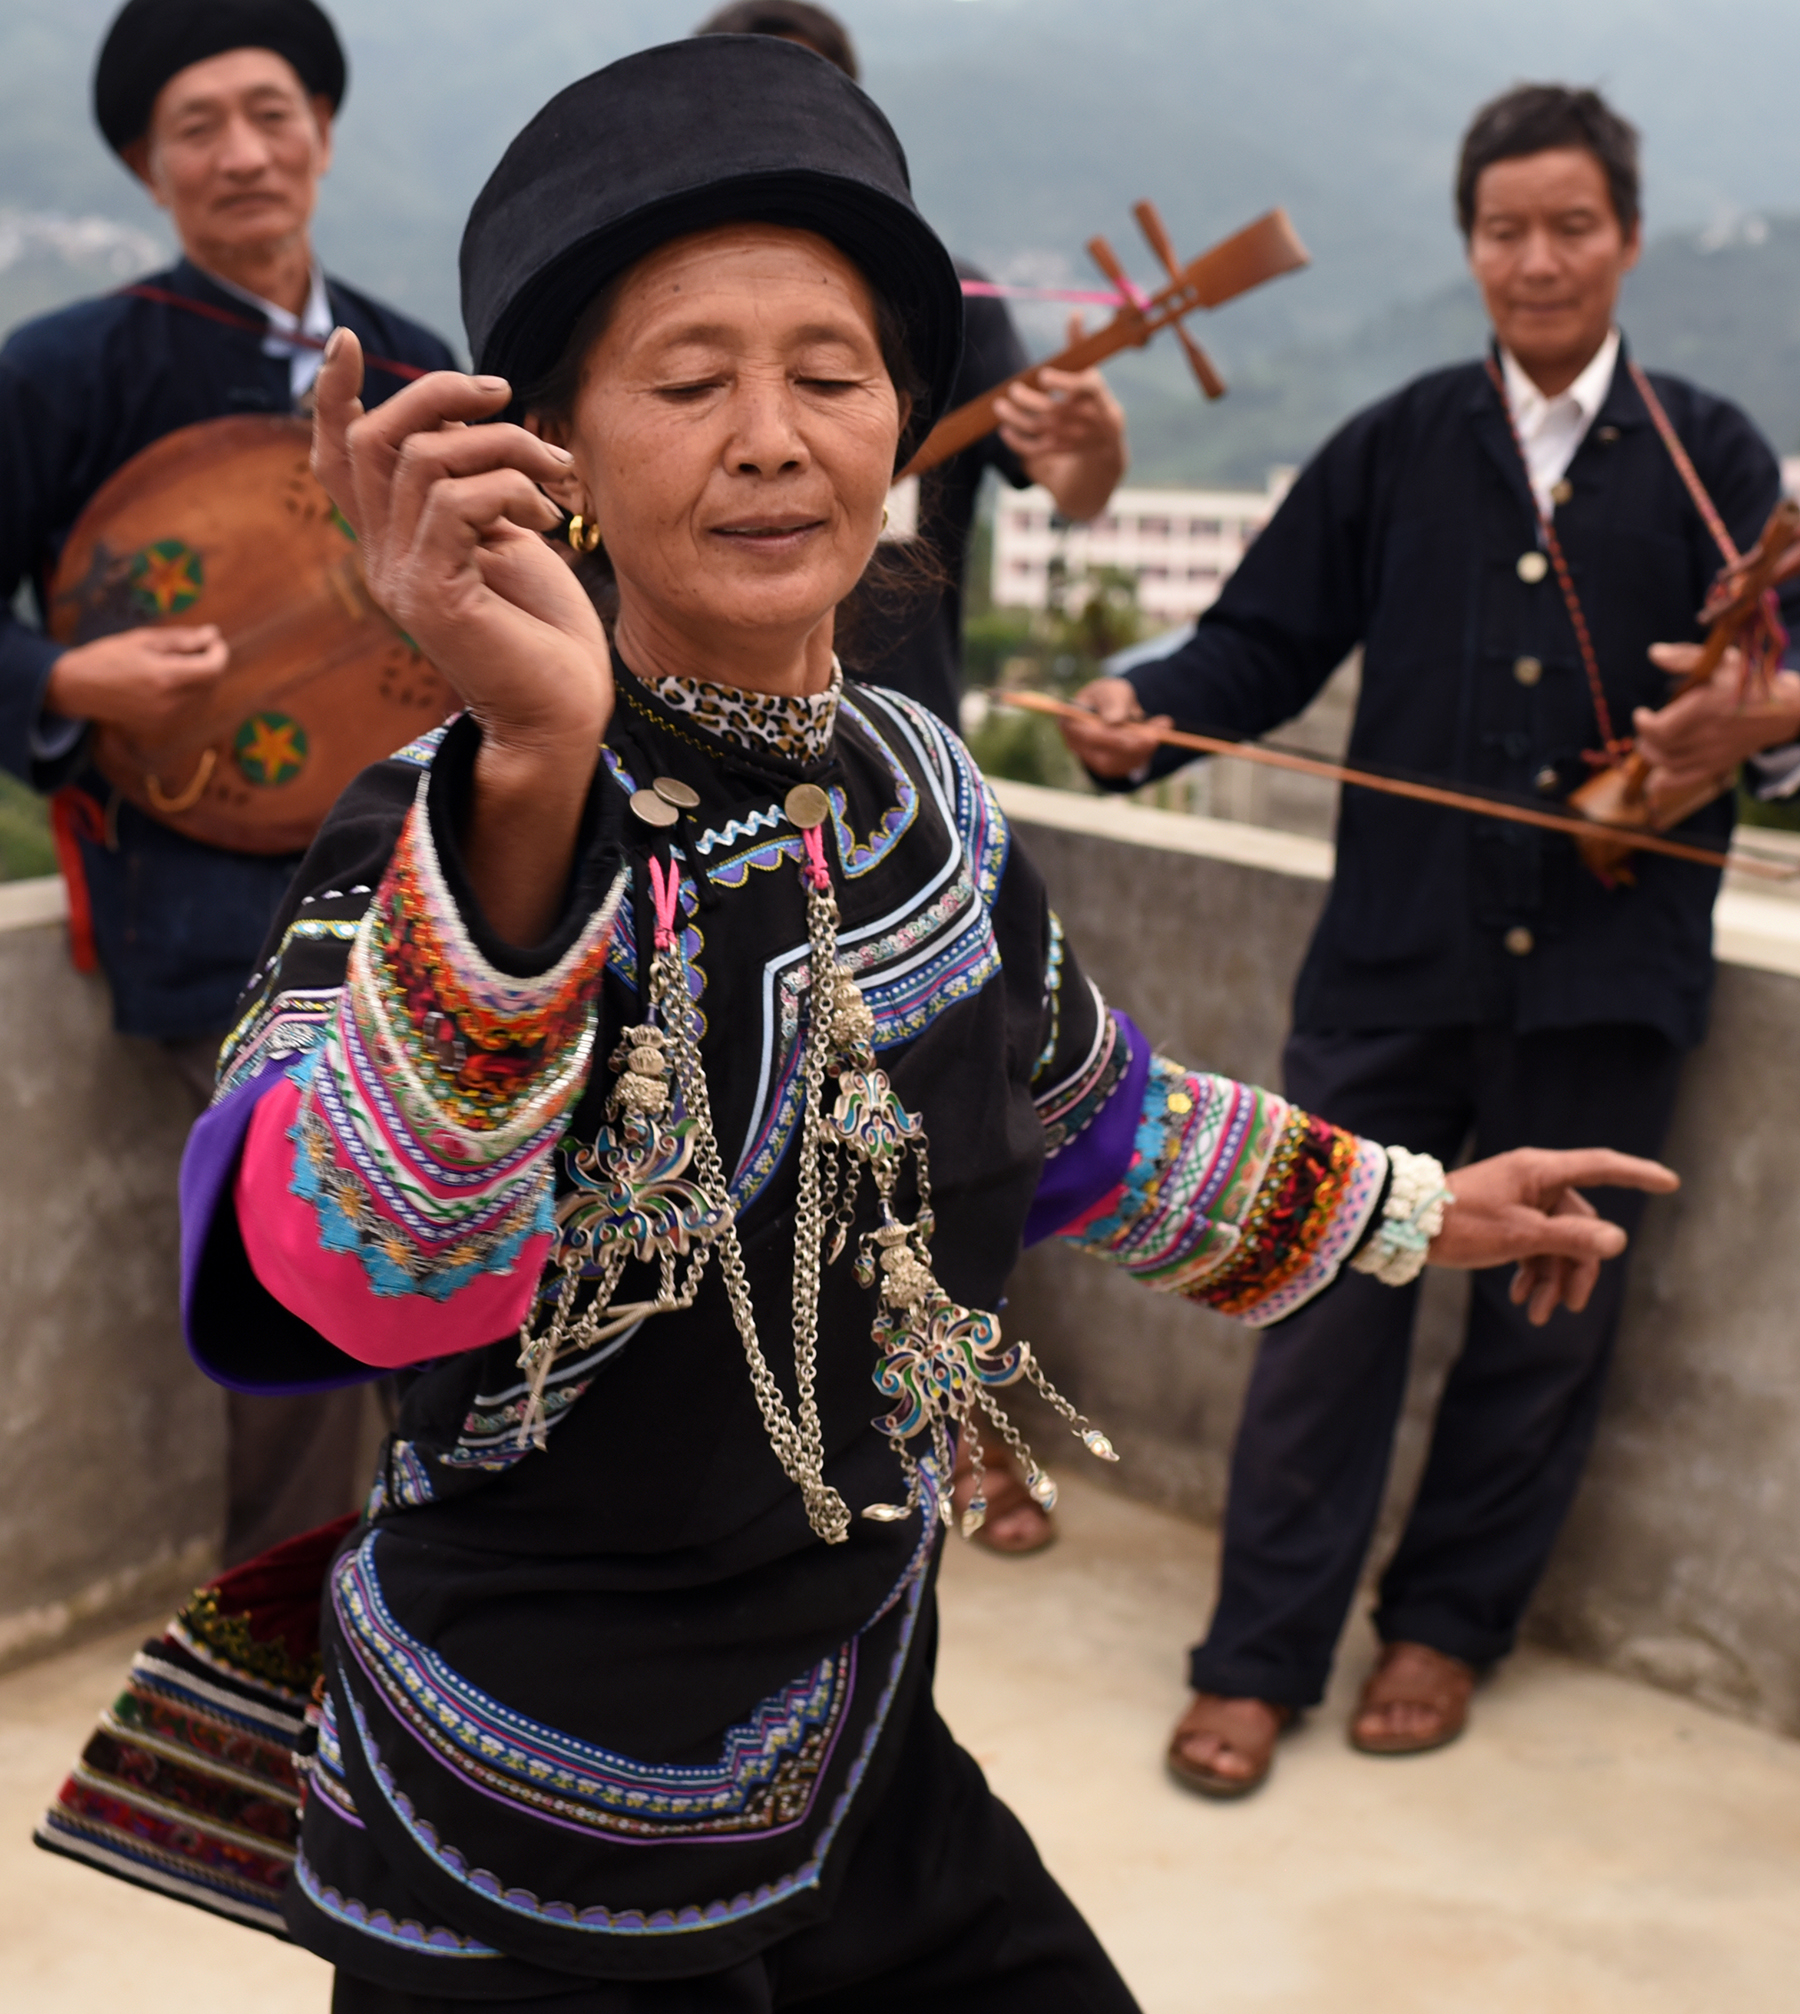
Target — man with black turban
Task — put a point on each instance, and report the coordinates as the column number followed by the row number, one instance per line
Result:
column 223, row 109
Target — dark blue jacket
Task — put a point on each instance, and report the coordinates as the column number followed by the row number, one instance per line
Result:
column 178, row 925
column 1403, row 535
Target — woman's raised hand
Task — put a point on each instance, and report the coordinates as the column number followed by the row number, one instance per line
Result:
column 1527, row 1206
column 448, row 516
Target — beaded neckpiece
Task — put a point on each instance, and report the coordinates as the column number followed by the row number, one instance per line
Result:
column 652, row 1187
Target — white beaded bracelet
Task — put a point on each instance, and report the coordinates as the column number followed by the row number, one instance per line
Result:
column 1411, row 1217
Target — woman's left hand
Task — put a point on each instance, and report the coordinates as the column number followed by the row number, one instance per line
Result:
column 1527, row 1206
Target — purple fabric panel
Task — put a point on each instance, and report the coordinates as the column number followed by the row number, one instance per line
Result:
column 207, row 1165
column 1094, row 1165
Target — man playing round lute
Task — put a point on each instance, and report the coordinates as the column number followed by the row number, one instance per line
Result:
column 223, row 109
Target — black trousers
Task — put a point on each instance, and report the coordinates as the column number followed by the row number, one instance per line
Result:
column 945, row 1907
column 1518, row 1411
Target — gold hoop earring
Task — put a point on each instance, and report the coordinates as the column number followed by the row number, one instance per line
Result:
column 583, row 535
column 884, row 517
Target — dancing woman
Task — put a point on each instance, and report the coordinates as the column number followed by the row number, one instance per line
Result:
column 645, row 1061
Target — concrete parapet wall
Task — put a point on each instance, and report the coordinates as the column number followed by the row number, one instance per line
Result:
column 111, row 1442
column 1678, row 1564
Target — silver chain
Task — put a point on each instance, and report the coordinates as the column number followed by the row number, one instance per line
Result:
column 839, row 1039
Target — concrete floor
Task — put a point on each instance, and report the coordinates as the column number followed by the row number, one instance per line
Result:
column 1591, row 1847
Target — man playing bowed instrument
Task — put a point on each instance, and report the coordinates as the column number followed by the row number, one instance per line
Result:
column 1469, row 977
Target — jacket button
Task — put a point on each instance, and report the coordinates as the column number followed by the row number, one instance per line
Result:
column 1519, row 941
column 1546, row 781
column 1606, row 435
column 1528, row 670
column 1561, row 492
column 1532, row 567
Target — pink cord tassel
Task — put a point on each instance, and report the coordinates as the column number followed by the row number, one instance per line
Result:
column 815, row 870
column 665, row 892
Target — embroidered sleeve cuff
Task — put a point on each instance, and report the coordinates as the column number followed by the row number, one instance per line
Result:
column 427, row 1119
column 1090, row 1123
column 1232, row 1197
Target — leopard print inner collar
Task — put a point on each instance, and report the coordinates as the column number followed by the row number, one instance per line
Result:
column 798, row 725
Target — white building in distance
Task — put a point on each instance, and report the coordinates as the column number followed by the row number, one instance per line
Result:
column 1181, row 545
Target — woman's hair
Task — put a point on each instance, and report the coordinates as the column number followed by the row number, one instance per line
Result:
column 556, row 394
column 1533, row 118
column 793, row 21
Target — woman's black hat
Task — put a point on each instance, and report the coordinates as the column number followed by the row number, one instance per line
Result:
column 721, row 129
column 151, row 40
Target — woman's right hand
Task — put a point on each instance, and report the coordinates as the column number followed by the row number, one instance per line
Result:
column 448, row 516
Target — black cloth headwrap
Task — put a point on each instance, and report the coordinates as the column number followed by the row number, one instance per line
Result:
column 150, row 41
column 719, row 129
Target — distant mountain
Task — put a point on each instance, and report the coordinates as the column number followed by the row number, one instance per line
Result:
column 1721, row 307
column 1032, row 124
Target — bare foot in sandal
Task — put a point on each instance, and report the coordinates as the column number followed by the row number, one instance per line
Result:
column 1226, row 1747
column 1014, row 1524
column 1417, row 1699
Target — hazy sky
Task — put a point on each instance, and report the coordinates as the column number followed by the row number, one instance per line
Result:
column 1030, row 123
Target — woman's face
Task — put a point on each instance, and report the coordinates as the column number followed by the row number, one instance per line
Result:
column 735, row 435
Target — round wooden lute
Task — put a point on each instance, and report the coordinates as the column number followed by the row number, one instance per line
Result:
column 224, row 522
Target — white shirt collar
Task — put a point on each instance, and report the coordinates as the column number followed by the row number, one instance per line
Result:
column 1587, row 394
column 1552, row 429
column 314, row 320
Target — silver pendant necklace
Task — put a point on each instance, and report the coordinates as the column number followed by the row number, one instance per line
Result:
column 652, row 1187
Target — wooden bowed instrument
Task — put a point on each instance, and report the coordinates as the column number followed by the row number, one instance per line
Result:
column 224, row 522
column 1261, row 251
column 1739, row 611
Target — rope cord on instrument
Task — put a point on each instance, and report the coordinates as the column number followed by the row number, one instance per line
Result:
column 163, row 297
column 1766, row 640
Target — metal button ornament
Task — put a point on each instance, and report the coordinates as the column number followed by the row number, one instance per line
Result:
column 806, row 806
column 652, row 809
column 673, row 791
column 1532, row 567
column 1546, row 781
column 1519, row 941
column 1561, row 492
column 1528, row 670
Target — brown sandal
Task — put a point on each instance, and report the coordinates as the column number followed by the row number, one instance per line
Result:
column 1412, row 1675
column 1252, row 1735
column 1015, row 1524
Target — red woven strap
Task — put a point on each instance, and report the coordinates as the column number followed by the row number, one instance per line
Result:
column 1683, row 467
column 207, row 312
column 1611, row 748
column 74, row 815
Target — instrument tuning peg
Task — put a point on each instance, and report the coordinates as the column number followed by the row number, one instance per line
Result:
column 1202, row 366
column 1107, row 260
column 1149, row 220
